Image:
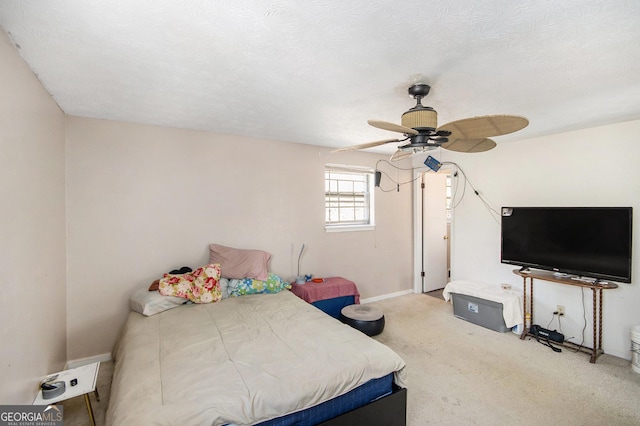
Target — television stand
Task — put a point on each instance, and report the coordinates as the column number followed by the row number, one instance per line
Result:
column 595, row 286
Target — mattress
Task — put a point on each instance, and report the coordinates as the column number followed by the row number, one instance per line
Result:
column 242, row 360
column 355, row 398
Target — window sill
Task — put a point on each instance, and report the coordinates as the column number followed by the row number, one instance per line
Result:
column 349, row 228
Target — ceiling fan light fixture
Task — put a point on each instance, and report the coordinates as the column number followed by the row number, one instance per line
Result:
column 420, row 118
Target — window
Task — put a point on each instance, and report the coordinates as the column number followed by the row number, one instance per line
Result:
column 348, row 198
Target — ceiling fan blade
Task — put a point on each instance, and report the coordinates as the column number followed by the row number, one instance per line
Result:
column 469, row 145
column 366, row 145
column 485, row 126
column 385, row 125
column 400, row 154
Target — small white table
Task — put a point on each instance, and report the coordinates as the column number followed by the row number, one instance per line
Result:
column 87, row 375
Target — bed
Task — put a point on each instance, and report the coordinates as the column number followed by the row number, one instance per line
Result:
column 268, row 358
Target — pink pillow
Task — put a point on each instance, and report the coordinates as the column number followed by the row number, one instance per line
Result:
column 238, row 263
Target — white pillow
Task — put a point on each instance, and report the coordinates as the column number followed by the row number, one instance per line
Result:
column 152, row 302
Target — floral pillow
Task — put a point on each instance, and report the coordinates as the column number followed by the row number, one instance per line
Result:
column 273, row 284
column 199, row 286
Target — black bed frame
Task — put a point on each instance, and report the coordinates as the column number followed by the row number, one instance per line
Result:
column 390, row 410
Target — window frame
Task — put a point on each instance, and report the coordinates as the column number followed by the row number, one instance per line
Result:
column 367, row 172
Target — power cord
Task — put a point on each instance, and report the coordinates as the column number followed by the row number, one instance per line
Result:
column 584, row 322
column 578, row 346
column 551, row 320
column 398, row 184
column 494, row 213
column 557, row 315
column 392, row 165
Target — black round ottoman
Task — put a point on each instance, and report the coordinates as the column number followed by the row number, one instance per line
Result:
column 365, row 318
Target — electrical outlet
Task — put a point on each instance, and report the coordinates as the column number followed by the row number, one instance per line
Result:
column 560, row 310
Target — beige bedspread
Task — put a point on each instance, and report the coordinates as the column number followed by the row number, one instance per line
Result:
column 240, row 361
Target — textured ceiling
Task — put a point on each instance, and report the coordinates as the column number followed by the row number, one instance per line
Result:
column 315, row 71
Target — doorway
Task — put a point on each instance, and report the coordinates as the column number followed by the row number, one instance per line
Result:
column 434, row 219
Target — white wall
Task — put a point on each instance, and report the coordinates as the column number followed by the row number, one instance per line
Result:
column 32, row 225
column 591, row 167
column 143, row 200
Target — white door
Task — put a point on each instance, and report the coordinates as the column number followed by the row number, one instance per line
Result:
column 434, row 231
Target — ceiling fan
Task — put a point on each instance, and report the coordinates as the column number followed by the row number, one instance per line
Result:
column 420, row 128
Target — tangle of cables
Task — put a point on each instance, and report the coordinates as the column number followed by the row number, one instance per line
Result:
column 396, row 183
column 457, row 170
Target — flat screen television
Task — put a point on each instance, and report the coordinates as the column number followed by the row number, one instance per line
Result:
column 592, row 242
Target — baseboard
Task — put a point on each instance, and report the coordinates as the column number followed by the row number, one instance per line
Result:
column 386, row 296
column 88, row 360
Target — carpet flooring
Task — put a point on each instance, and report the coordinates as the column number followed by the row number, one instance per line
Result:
column 463, row 374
